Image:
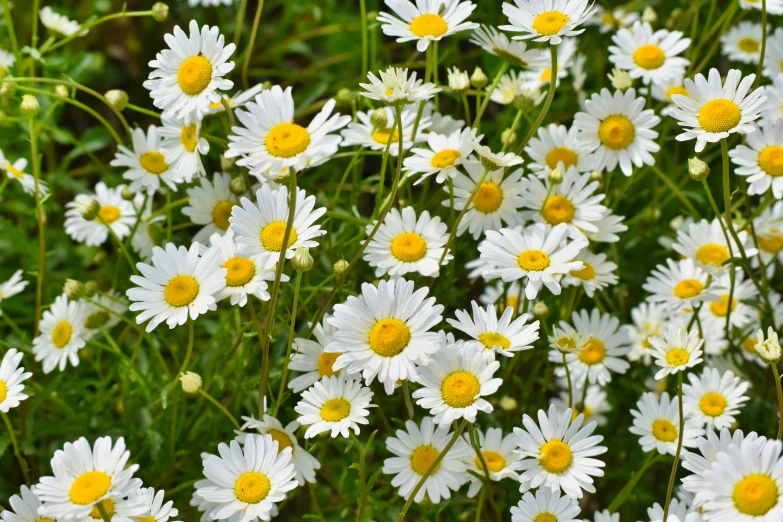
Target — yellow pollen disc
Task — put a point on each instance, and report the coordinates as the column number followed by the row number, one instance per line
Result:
column 555, row 456
column 335, row 410
column 664, row 430
column 408, row 247
column 389, row 337
column 771, row 160
column 588, row 412
column 488, row 198
column 608, row 19
column 749, row 345
column 272, row 236
column 755, row 495
column 593, row 352
column 649, row 56
column 16, row 172
column 221, row 213
column 286, row 140
column 749, row 45
column 181, row 290
column 719, row 115
column 108, row 506
column 217, row 104
column 771, row 243
column 545, row 517
column 383, row 135
column 325, row 364
column 3, row 391
column 558, row 209
column 561, row 154
column 61, row 334
column 712, row 254
column 460, row 389
column 109, row 213
column 189, row 138
column 677, row 90
column 89, row 487
column 154, row 162
column 688, row 288
column 533, row 261
column 240, row 271
column 713, row 404
column 422, row 458
column 616, row 132
column 492, row 339
column 677, row 357
column 252, row 487
column 585, row 274
column 721, row 308
column 549, row 23
column 44, row 519
column 445, row 158
column 429, row 25
column 495, row 461
column 546, row 75
column 194, row 75
column 282, row 438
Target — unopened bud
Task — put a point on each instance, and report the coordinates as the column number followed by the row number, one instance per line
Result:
column 128, row 194
column 621, row 80
column 340, row 267
column 508, row 403
column 372, row 16
column 508, row 137
column 117, row 99
column 99, row 258
column 478, row 79
column 29, row 105
column 540, row 310
column 73, row 289
column 697, row 169
column 191, row 382
column 227, row 164
column 267, row 85
column 62, row 90
column 649, row 15
column 555, row 176
column 302, row 260
column 379, row 118
column 237, row 186
column 8, row 90
column 674, row 17
column 769, row 349
column 596, row 176
column 459, row 81
column 345, row 96
column 160, row 11
column 88, row 208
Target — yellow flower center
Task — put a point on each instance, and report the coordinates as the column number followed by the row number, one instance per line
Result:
column 755, row 495
column 561, row 154
column 721, row 308
column 429, row 25
column 616, row 132
column 713, row 404
column 533, row 261
column 273, row 234
column 286, row 140
column 154, row 162
column 325, row 364
column 712, row 254
column 593, row 352
column 771, row 243
column 771, row 160
column 550, row 23
column 679, row 89
column 587, row 412
column 488, row 198
column 445, row 158
column 408, row 247
column 495, row 461
column 389, row 337
column 61, row 334
column 492, row 339
column 107, row 504
column 558, row 209
column 189, row 138
column 609, row 19
column 383, row 135
column 252, row 487
column 555, row 456
column 3, row 391
column 567, row 342
column 109, row 213
column 422, row 458
column 749, row 345
column 649, row 56
column 460, row 389
column 335, row 410
column 215, row 105
column 221, row 213
column 748, row 45
column 194, row 75
column 719, row 115
column 282, row 438
column 664, row 430
column 89, row 487
column 240, row 271
column 585, row 274
column 140, row 519
column 677, row 357
column 688, row 288
column 181, row 290
column 16, row 172
column 545, row 517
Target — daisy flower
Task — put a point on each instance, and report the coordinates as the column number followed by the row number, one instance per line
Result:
column 678, row 512
column 676, row 350
column 769, row 236
column 11, row 377
column 285, row 436
column 395, row 87
column 774, row 7
column 427, row 21
column 178, row 284
column 508, row 88
column 492, row 336
column 15, row 171
column 546, row 20
column 85, row 475
column 712, row 110
column 664, row 90
column 742, row 314
column 15, row 285
column 593, row 407
column 364, row 133
column 496, row 43
column 187, row 76
column 547, row 505
column 239, row 99
column 439, row 123
column 559, row 453
column 443, row 157
column 499, row 456
column 118, row 213
column 454, row 382
column 651, row 56
column 539, row 73
column 155, row 508
column 495, row 160
column 773, row 57
column 385, row 332
column 657, row 422
column 773, row 108
column 617, row 130
column 310, row 358
column 714, row 399
column 7, row 60
column 608, row 227
column 742, row 42
column 678, row 284
column 148, row 163
column 761, row 160
column 335, row 404
column 505, row 296
column 103, row 312
column 60, row 337
column 210, row 204
column 270, row 143
column 58, row 23
column 259, row 227
column 705, row 243
column 610, row 21
column 415, row 450
column 184, row 147
column 247, row 480
column 557, row 147
column 648, row 319
column 606, row 516
column 244, row 275
column 24, row 508
column 597, row 274
column 405, row 243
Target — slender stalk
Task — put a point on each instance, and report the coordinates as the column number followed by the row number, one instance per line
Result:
column 240, row 21
column 41, row 218
column 188, row 355
column 493, row 85
column 9, row 23
column 362, row 475
column 474, row 442
column 220, row 407
column 102, row 510
column 291, row 332
column 679, row 449
column 252, row 42
column 618, row 500
column 780, row 399
column 547, row 103
column 365, row 53
column 113, row 16
column 120, row 244
column 462, row 213
column 397, row 127
column 15, row 444
column 763, row 44
column 142, row 110
column 406, row 394
column 466, row 107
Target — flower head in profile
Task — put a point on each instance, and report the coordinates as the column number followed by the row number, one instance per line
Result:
column 58, row 23
column 395, row 87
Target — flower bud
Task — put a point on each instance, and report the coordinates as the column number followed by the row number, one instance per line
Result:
column 62, row 90
column 237, row 186
column 508, row 403
column 596, row 176
column 90, row 288
column 508, row 137
column 345, row 96
column 674, row 17
column 621, row 80
column 379, row 118
column 569, row 342
column 227, row 164
column 160, row 11
column 88, row 208
column 459, row 81
column 73, row 289
column 697, row 169
column 8, row 90
column 769, row 349
column 191, row 382
column 117, row 99
column 478, row 79
column 302, row 260
column 540, row 310
column 555, row 176
column 340, row 267
column 649, row 15
column 99, row 258
column 128, row 194
column 29, row 105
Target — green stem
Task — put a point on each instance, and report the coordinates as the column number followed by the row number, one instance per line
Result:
column 362, row 476
column 113, row 16
column 483, row 107
column 462, row 213
column 568, row 379
column 41, row 227
column 475, row 443
column 679, row 449
column 15, row 444
column 550, row 95
column 188, row 355
column 120, row 244
column 291, row 333
column 142, row 110
column 675, row 189
column 240, row 22
column 220, row 407
column 763, row 44
column 102, row 510
column 652, row 456
column 406, row 394
column 252, row 42
column 365, row 54
column 9, row 23
column 780, row 398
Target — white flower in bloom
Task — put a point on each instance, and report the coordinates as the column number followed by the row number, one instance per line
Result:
column 364, row 133
column 119, row 215
column 761, row 160
column 11, row 377
column 58, row 23
column 680, row 283
column 7, row 60
column 184, row 147
column 334, row 404
column 714, row 399
column 648, row 319
column 493, row 336
column 742, row 42
column 774, row 7
column 239, row 99
column 705, row 243
column 60, row 337
column 395, row 87
column 678, row 512
column 609, row 21
column 311, row 359
column 597, row 274
column 15, row 285
column 774, row 51
column 657, row 422
column 547, row 505
column 148, row 163
column 24, row 508
column 499, row 456
column 210, row 205
column 676, row 350
column 443, row 157
column 773, row 108
column 546, row 20
column 244, row 275
column 651, row 56
column 427, row 21
column 15, row 171
column 155, row 509
column 557, row 147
